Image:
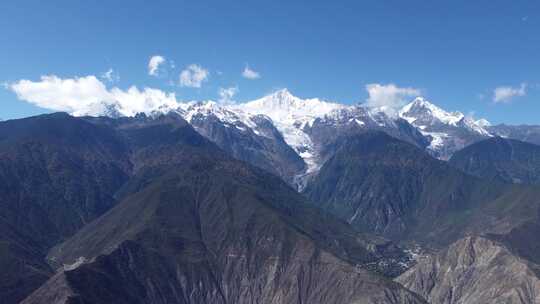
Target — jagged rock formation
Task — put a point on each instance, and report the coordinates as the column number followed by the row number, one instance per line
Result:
column 500, row 158
column 474, row 270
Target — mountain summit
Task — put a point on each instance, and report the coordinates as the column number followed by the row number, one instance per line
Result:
column 449, row 131
column 282, row 106
column 423, row 113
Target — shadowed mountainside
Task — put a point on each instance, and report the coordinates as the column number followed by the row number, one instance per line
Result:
column 380, row 184
column 57, row 173
column 500, row 158
column 192, row 225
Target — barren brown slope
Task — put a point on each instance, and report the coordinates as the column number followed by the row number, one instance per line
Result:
column 474, row 270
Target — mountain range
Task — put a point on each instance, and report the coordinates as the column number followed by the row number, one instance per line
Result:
column 277, row 200
column 293, row 137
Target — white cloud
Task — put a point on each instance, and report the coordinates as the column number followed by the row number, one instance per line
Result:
column 154, row 65
column 58, row 94
column 226, row 95
column 506, row 93
column 250, row 74
column 389, row 97
column 193, row 76
column 89, row 96
column 110, row 76
column 135, row 101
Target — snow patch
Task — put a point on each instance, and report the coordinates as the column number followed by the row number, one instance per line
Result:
column 438, row 140
column 80, row 260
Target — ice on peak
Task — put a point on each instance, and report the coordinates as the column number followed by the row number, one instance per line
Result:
column 225, row 113
column 417, row 102
column 421, row 110
column 439, row 124
column 477, row 126
column 424, row 114
column 290, row 115
column 483, row 123
column 283, row 104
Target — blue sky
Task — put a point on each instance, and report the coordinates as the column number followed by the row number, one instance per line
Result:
column 456, row 52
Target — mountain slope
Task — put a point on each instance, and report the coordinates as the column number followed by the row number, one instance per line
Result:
column 247, row 137
column 474, row 270
column 57, row 173
column 380, row 184
column 506, row 159
column 196, row 228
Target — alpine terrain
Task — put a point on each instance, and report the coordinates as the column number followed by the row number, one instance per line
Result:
column 276, row 200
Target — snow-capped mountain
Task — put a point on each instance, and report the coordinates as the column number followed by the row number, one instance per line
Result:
column 246, row 136
column 449, row 131
column 287, row 135
column 423, row 113
column 311, row 126
column 291, row 115
column 293, row 137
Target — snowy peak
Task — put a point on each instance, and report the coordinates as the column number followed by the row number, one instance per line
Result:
column 478, row 126
column 449, row 131
column 284, row 107
column 421, row 112
column 427, row 116
column 290, row 116
column 225, row 114
column 483, row 123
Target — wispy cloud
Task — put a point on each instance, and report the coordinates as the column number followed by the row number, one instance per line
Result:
column 226, row 95
column 505, row 94
column 248, row 73
column 89, row 96
column 389, row 97
column 110, row 76
column 154, row 65
column 193, row 76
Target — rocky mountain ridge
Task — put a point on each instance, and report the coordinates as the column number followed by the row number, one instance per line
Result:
column 292, row 137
